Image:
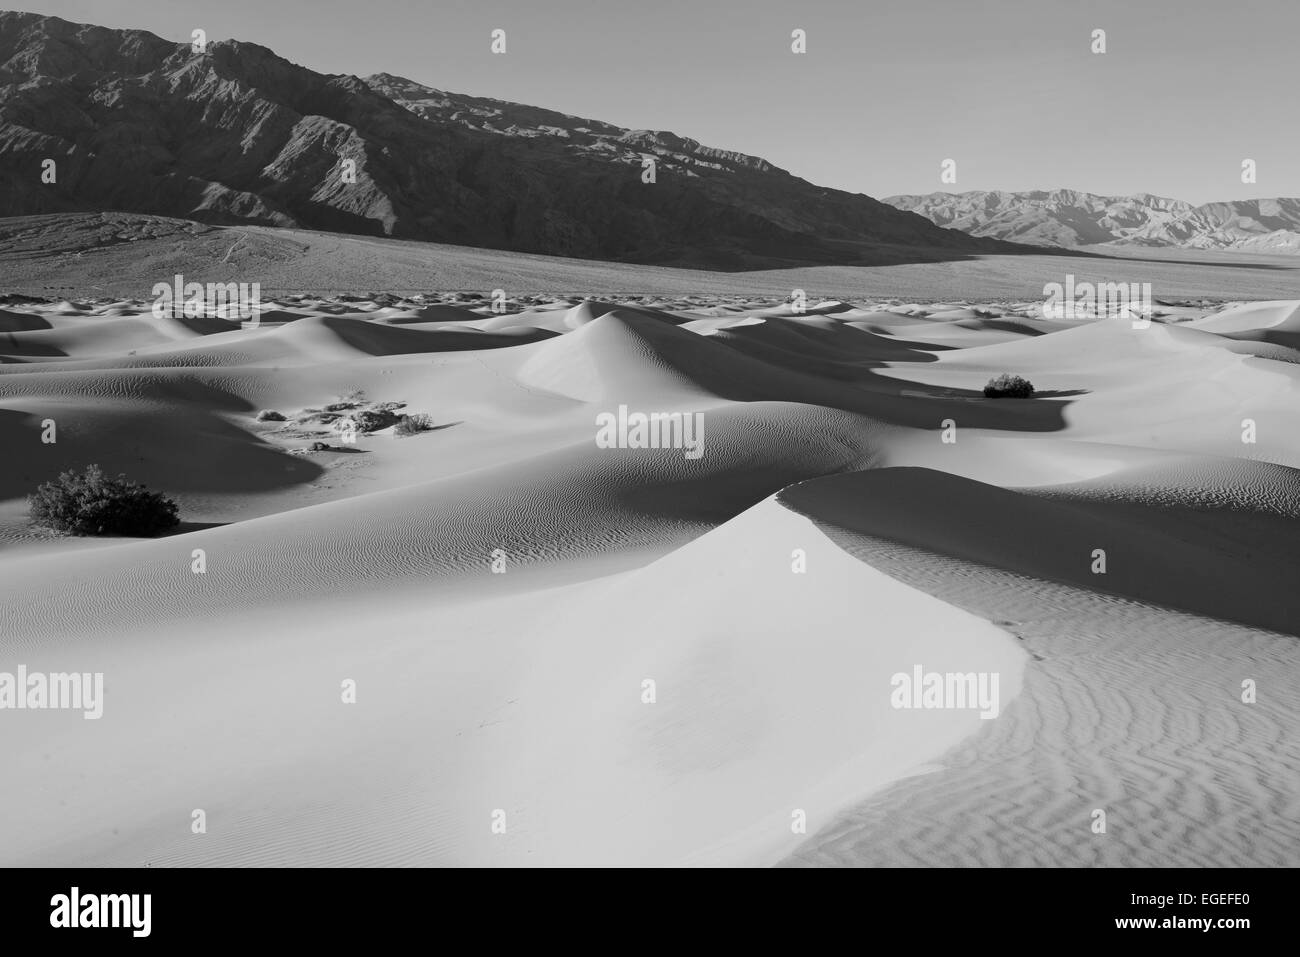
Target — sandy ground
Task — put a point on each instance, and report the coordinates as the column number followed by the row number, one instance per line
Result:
column 108, row 254
column 858, row 508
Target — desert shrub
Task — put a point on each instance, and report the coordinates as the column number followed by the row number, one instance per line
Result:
column 388, row 406
column 414, row 424
column 270, row 415
column 316, row 417
column 92, row 503
column 1008, row 386
column 352, row 399
column 366, row 420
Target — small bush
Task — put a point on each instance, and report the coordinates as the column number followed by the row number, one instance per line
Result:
column 1008, row 387
column 316, row 417
column 413, row 424
column 270, row 415
column 365, row 420
column 94, row 504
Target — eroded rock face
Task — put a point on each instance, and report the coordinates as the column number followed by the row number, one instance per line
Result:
column 236, row 134
column 592, row 139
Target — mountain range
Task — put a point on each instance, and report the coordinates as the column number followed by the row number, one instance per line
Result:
column 235, row 134
column 1068, row 218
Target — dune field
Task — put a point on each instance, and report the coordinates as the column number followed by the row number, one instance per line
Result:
column 567, row 650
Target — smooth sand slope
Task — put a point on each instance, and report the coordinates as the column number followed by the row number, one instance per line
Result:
column 826, row 538
column 1126, row 708
column 529, row 704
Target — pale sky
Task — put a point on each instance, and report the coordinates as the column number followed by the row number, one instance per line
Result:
column 888, row 89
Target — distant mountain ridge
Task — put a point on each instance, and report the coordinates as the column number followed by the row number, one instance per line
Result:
column 236, row 134
column 1068, row 218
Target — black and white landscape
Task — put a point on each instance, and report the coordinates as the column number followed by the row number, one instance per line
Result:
column 504, row 487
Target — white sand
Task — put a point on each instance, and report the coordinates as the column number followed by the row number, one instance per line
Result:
column 522, row 691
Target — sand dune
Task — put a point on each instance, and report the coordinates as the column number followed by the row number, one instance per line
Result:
column 825, row 441
column 1125, row 708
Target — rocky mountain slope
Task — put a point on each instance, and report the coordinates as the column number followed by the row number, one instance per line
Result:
column 236, row 134
column 577, row 136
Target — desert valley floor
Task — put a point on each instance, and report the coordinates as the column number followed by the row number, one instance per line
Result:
column 501, row 587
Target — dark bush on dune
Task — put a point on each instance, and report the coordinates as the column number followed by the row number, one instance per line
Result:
column 92, row 503
column 413, row 424
column 270, row 415
column 316, row 417
column 366, row 420
column 1008, row 387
